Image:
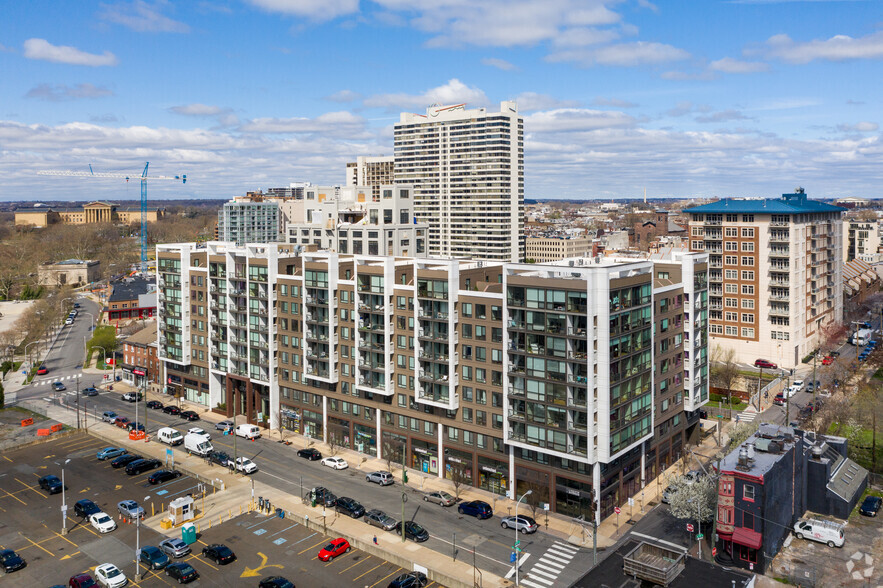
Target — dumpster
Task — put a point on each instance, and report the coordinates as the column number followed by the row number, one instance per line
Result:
column 188, row 533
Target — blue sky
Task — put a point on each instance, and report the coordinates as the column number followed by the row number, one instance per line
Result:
column 685, row 99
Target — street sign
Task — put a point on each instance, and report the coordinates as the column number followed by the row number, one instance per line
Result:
column 617, row 510
column 631, row 502
column 512, row 557
column 689, row 528
column 713, row 551
column 700, row 536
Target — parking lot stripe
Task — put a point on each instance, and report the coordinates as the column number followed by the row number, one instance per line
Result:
column 313, row 546
column 355, row 564
column 60, row 536
column 182, row 491
column 384, row 578
column 305, row 538
column 16, row 497
column 35, row 544
column 194, row 558
column 369, row 571
column 7, row 459
column 283, row 530
column 335, row 559
column 40, row 494
column 82, row 525
column 267, row 520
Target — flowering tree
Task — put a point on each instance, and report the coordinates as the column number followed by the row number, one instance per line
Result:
column 690, row 500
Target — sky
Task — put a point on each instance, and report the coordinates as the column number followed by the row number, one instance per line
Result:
column 683, row 99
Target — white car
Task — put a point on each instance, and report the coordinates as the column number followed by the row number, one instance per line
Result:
column 335, row 462
column 111, row 576
column 102, row 522
column 245, row 465
column 796, row 386
column 198, row 431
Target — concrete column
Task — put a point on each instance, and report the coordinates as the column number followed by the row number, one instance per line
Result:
column 249, row 403
column 512, row 472
column 324, row 419
column 596, row 486
column 228, row 395
column 379, row 437
column 441, row 451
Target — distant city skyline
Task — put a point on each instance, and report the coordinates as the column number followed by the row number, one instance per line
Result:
column 713, row 99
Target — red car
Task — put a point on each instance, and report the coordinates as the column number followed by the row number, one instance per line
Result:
column 828, row 361
column 779, row 400
column 41, row 371
column 82, row 581
column 121, row 422
column 337, row 547
column 766, row 364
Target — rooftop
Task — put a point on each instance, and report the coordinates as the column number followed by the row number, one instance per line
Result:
column 130, row 289
column 145, row 336
column 769, row 444
column 796, row 203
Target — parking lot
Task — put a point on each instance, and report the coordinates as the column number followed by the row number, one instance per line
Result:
column 858, row 563
column 31, row 524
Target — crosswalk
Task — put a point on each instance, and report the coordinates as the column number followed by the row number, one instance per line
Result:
column 748, row 415
column 50, row 381
column 549, row 566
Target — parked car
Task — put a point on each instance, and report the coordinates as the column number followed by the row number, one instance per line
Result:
column 132, row 396
column 441, row 497
column 82, row 581
column 50, row 484
column 810, row 386
column 218, row 553
column 310, row 453
column 828, row 360
column 142, row 465
column 134, row 425
column 11, row 561
column 413, row 531
column 90, row 391
column 765, row 364
column 349, row 506
column 130, row 509
column 245, row 465
column 124, row 460
column 154, row 404
column 85, row 507
column 198, row 431
column 334, row 548
column 324, row 495
column 224, row 425
column 174, row 547
column 378, row 518
column 59, row 387
column 409, row 580
column 121, row 422
column 109, row 416
column 827, row 532
column 189, row 415
column 42, row 371
column 834, row 354
column 871, row 506
column 153, row 557
column 182, row 572
column 524, row 524
column 171, row 409
column 162, row 476
column 109, row 452
column 220, row 458
column 779, row 400
column 110, row 576
column 102, row 522
column 275, row 582
column 336, row 463
column 476, row 508
column 382, row 478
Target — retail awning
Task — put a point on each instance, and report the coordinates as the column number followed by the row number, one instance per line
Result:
column 747, row 537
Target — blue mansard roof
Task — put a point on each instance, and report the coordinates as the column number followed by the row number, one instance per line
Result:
column 796, row 203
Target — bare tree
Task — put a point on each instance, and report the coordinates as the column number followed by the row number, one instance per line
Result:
column 458, row 478
column 868, row 405
column 539, row 495
column 392, row 452
column 724, row 370
column 831, row 334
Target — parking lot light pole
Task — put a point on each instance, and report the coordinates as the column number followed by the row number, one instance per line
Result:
column 515, row 547
column 138, row 542
column 63, row 501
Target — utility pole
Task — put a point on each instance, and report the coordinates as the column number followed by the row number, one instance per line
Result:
column 78, row 401
column 759, row 386
column 815, row 387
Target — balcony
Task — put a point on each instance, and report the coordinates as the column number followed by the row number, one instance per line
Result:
column 780, row 252
column 780, row 282
column 782, row 311
column 713, row 223
column 780, row 237
column 779, row 223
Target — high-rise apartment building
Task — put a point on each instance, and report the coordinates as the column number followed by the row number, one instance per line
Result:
column 580, row 381
column 467, row 170
column 544, row 249
column 249, row 220
column 862, row 240
column 371, row 171
column 775, row 273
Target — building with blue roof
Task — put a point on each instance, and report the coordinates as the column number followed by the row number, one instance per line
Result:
column 775, row 274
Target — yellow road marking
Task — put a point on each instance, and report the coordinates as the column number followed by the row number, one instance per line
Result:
column 68, row 556
column 40, row 494
column 255, row 572
column 193, row 557
column 7, row 459
column 82, row 525
column 369, row 571
column 324, row 540
column 357, row 563
column 38, row 545
column 16, row 497
column 384, row 578
column 60, row 536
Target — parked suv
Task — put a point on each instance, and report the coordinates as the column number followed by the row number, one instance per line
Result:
column 142, row 465
column 765, row 364
column 382, row 478
column 349, row 506
column 378, row 518
column 85, row 507
column 523, row 523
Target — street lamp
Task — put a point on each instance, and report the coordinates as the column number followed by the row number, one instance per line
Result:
column 138, row 541
column 515, row 547
column 63, row 501
column 698, row 523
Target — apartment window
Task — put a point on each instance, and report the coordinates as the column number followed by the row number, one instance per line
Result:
column 731, row 331
column 716, row 329
column 698, row 245
column 698, row 231
column 748, row 246
column 748, row 333
column 748, row 303
column 731, row 288
column 747, row 317
column 731, row 316
column 732, row 302
column 732, row 218
column 748, row 289
column 747, row 218
column 748, row 492
column 731, row 260
column 731, row 232
column 731, row 246
column 748, row 275
column 747, row 260
column 748, row 233
column 467, row 414
column 731, row 274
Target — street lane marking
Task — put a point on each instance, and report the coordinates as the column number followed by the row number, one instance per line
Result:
column 536, row 578
column 7, row 459
column 520, row 563
column 255, row 572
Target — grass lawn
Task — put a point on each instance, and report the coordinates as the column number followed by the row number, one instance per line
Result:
column 752, row 374
column 860, row 449
column 723, row 405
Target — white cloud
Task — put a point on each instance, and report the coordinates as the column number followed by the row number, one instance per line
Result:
column 498, row 63
column 142, row 16
column 529, row 101
column 614, row 102
column 44, row 50
column 837, row 48
column 197, row 109
column 860, row 127
column 583, row 37
column 454, row 92
column 569, row 120
column 722, row 116
column 63, row 92
column 344, row 96
column 318, row 10
column 624, row 55
column 685, row 76
column 330, row 124
column 735, row 66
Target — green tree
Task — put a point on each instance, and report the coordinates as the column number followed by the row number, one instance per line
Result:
column 103, row 338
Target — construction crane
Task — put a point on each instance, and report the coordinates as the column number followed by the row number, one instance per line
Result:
column 144, row 178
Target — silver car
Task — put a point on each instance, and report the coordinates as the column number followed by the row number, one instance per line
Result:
column 378, row 518
column 130, row 509
column 382, row 478
column 522, row 523
column 174, row 547
column 441, row 497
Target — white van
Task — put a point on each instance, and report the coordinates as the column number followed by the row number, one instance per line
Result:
column 822, row 531
column 198, row 444
column 248, row 431
column 169, row 436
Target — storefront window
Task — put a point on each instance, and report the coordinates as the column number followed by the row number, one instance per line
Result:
column 365, row 440
column 458, row 464
column 573, row 498
column 493, row 475
column 424, row 456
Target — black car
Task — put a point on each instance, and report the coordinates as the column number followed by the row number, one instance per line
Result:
column 182, row 572
column 85, row 507
column 349, row 506
column 134, row 425
column 476, row 508
column 153, row 557
column 324, row 495
column 220, row 458
column 142, row 465
column 219, row 553
column 11, row 561
column 871, row 506
column 309, row 453
column 275, row 582
column 124, row 460
column 171, row 409
column 413, row 531
column 155, row 404
column 162, row 476
column 189, row 415
column 90, row 391
column 50, row 484
column 409, row 580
